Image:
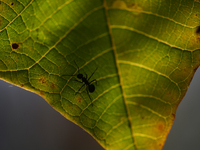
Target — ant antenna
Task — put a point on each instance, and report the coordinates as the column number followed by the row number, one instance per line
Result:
column 79, row 75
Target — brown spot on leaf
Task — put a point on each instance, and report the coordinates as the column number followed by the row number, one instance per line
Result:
column 173, row 116
column 142, row 117
column 169, row 93
column 79, row 99
column 52, row 86
column 15, row 46
column 161, row 127
column 42, row 80
column 161, row 145
column 41, row 93
column 12, row 4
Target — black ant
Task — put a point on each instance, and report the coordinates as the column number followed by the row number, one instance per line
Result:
column 90, row 88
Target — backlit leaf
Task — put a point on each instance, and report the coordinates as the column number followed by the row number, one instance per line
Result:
column 145, row 53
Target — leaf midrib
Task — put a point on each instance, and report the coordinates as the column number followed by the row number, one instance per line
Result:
column 119, row 72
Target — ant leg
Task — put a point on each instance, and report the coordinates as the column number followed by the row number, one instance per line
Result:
column 74, row 74
column 80, row 88
column 78, row 81
column 93, row 81
column 76, row 65
column 92, row 73
column 89, row 96
column 79, row 69
column 85, row 74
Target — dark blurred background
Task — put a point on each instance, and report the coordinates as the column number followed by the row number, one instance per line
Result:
column 27, row 122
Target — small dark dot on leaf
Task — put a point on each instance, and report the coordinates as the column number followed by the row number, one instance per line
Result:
column 198, row 30
column 12, row 4
column 15, row 46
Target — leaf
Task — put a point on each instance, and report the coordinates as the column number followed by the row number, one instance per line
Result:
column 145, row 52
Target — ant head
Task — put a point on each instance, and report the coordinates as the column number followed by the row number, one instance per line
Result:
column 91, row 88
column 80, row 76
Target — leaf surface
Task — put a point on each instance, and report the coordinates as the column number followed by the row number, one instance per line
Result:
column 142, row 56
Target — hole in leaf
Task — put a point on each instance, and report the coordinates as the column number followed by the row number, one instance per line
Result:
column 15, row 46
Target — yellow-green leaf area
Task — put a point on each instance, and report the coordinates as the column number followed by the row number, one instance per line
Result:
column 138, row 55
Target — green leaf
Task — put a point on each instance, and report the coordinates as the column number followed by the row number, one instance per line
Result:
column 145, row 52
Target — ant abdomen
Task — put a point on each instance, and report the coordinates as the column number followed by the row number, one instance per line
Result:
column 91, row 88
